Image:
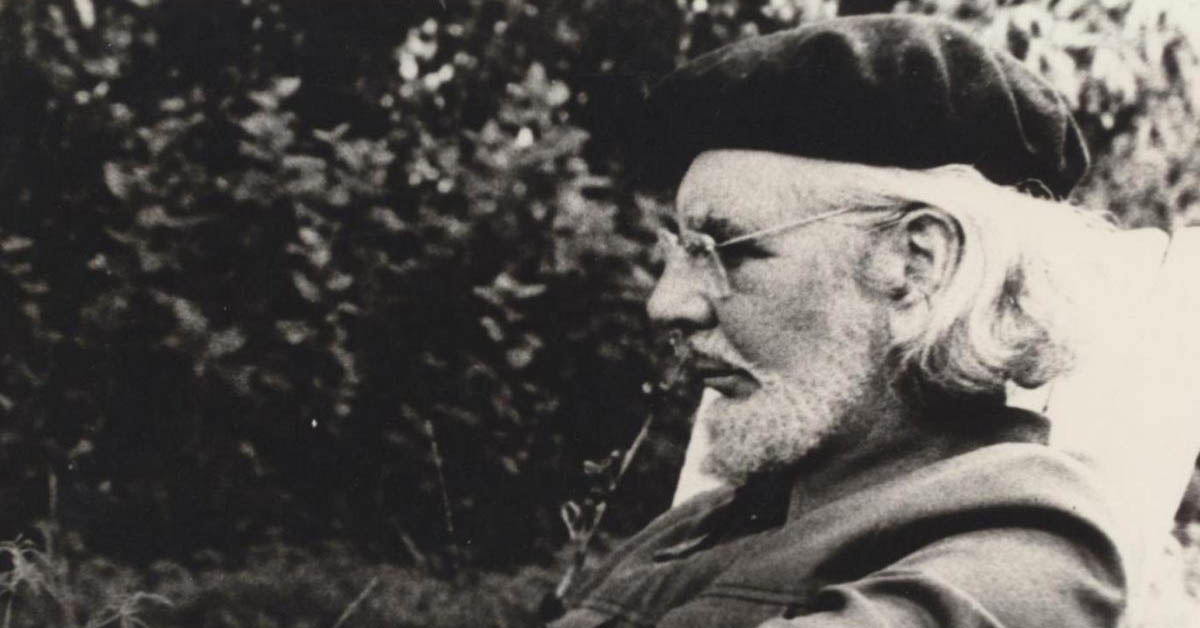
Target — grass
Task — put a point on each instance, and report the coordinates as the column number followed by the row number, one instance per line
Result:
column 40, row 589
column 325, row 586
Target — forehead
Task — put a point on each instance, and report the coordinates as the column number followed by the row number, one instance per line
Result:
column 759, row 189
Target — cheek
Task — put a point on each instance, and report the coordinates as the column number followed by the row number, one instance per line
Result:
column 785, row 308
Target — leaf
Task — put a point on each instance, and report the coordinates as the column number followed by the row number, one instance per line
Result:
column 572, row 516
column 294, row 332
column 308, row 290
column 187, row 313
column 592, row 468
column 408, row 66
column 333, row 134
column 226, row 341
column 519, row 357
column 286, row 86
column 388, row 218
column 15, row 243
column 116, row 180
column 87, row 13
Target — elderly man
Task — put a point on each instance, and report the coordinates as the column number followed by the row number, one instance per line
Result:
column 859, row 278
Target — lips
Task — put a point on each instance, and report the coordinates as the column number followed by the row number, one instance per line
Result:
column 723, row 377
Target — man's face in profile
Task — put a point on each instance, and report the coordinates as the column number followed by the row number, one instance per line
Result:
column 789, row 336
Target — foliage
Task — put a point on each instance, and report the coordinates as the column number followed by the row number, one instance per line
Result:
column 258, row 257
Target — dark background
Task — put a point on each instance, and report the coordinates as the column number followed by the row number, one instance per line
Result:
column 302, row 300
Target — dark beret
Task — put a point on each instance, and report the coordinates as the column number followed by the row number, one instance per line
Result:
column 890, row 90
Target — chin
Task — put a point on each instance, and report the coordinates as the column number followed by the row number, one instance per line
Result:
column 775, row 428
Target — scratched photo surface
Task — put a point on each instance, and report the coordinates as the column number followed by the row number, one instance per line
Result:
column 345, row 314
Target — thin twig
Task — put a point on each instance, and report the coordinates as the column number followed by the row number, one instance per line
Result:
column 579, row 556
column 637, row 442
column 581, row 536
column 357, row 601
column 447, row 510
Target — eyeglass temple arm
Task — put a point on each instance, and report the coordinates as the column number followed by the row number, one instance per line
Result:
column 770, row 231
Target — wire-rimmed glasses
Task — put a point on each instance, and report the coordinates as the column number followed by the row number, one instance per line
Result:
column 699, row 250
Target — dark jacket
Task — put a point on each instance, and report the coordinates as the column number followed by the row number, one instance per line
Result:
column 1006, row 534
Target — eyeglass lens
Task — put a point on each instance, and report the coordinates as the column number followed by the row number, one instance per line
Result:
column 698, row 253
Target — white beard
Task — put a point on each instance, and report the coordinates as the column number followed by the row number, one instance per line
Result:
column 783, row 422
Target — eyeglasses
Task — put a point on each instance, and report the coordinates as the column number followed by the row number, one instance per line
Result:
column 698, row 251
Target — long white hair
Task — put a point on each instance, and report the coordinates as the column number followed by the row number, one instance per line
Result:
column 1024, row 294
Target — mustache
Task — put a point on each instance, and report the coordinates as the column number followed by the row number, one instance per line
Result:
column 715, row 351
column 708, row 352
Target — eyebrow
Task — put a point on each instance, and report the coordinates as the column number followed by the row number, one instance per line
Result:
column 719, row 228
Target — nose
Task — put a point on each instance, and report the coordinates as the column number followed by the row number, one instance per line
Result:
column 679, row 299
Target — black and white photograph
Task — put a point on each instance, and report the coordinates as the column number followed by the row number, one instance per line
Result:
column 600, row 313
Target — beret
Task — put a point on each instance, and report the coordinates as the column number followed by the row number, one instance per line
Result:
column 891, row 90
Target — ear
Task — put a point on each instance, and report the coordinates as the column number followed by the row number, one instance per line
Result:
column 917, row 256
column 934, row 241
